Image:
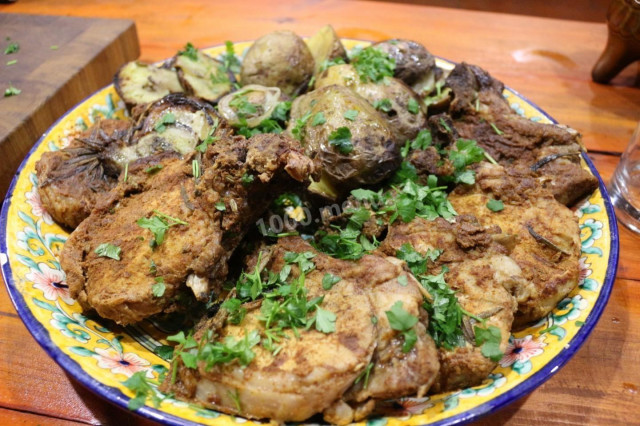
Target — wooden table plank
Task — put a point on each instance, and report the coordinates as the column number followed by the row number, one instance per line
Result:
column 88, row 52
column 15, row 418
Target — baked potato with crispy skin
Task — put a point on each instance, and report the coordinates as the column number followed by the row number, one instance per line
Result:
column 278, row 59
column 412, row 59
column 366, row 156
column 139, row 83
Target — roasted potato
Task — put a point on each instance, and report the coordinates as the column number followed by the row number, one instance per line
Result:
column 403, row 110
column 352, row 142
column 412, row 59
column 324, row 46
column 250, row 105
column 204, row 76
column 278, row 59
column 139, row 83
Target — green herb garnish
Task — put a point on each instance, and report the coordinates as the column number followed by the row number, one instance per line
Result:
column 153, row 168
column 11, row 91
column 329, row 280
column 341, row 139
column 373, row 64
column 11, row 48
column 159, row 224
column 108, row 250
column 167, row 118
column 413, row 106
column 189, row 51
column 318, row 119
column 495, row 205
column 403, row 321
column 383, row 105
column 351, row 114
column 159, row 287
column 490, row 339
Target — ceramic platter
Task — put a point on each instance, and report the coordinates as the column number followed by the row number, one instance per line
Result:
column 101, row 355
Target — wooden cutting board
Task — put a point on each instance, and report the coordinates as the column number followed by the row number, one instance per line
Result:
column 85, row 55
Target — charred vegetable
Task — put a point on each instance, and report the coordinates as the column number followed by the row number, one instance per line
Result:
column 278, row 59
column 348, row 137
column 250, row 105
column 203, row 76
column 411, row 58
column 139, row 83
column 174, row 123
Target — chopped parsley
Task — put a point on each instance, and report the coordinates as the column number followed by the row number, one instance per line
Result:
column 373, row 64
column 159, row 287
column 466, row 153
column 229, row 59
column 195, row 169
column 189, row 51
column 318, row 119
column 444, row 125
column 153, row 169
column 495, row 205
column 300, row 123
column 167, row 118
column 54, row 47
column 413, row 106
column 275, row 124
column 402, row 321
column 108, row 250
column 422, row 141
column 247, row 178
column 159, row 224
column 210, row 139
column 348, row 243
column 325, row 320
column 11, row 48
column 489, row 338
column 330, row 62
column 143, row 389
column 164, row 351
column 364, row 374
column 329, row 280
column 495, row 129
column 351, row 114
column 11, row 91
column 12, row 62
column 220, row 206
column 243, row 107
column 341, row 139
column 383, row 105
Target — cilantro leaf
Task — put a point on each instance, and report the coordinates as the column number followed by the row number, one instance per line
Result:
column 158, row 224
column 189, row 51
column 153, row 168
column 159, row 287
column 11, row 48
column 351, row 114
column 220, row 206
column 490, row 339
column 417, row 263
column 300, row 123
column 247, row 178
column 403, row 321
column 139, row 384
column 495, row 205
column 242, row 107
column 341, row 139
column 373, row 64
column 235, row 309
column 318, row 119
column 383, row 105
column 167, row 118
column 467, row 152
column 403, row 280
column 229, row 59
column 330, row 62
column 413, row 106
column 164, row 351
column 108, row 250
column 329, row 280
column 325, row 321
column 11, row 91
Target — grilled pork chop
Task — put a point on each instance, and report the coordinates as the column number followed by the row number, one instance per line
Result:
column 175, row 231
column 483, row 277
column 548, row 237
column 341, row 373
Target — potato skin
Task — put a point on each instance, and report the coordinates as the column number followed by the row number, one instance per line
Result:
column 278, row 59
column 404, row 124
column 326, row 45
column 412, row 58
column 374, row 155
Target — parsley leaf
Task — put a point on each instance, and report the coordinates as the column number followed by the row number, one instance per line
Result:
column 413, row 106
column 12, row 62
column 416, row 262
column 159, row 287
column 330, row 62
column 495, row 205
column 373, row 64
column 329, row 280
column 153, row 168
column 210, row 139
column 300, row 123
column 247, row 178
column 318, row 119
column 325, row 321
column 235, row 309
column 243, row 107
column 349, row 243
column 220, row 206
column 158, row 224
column 445, row 313
column 11, row 48
column 490, row 339
column 189, row 51
column 466, row 153
column 143, row 390
column 11, row 91
column 351, row 114
column 167, row 118
column 401, row 320
column 164, row 351
column 108, row 250
column 383, row 105
column 229, row 59
column 341, row 139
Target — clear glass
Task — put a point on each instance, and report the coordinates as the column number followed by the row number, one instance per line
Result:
column 624, row 187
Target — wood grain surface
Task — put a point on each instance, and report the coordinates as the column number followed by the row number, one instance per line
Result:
column 86, row 54
column 547, row 60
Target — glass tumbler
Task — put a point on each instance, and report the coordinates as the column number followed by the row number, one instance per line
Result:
column 624, row 187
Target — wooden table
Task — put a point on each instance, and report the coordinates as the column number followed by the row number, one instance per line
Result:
column 547, row 60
